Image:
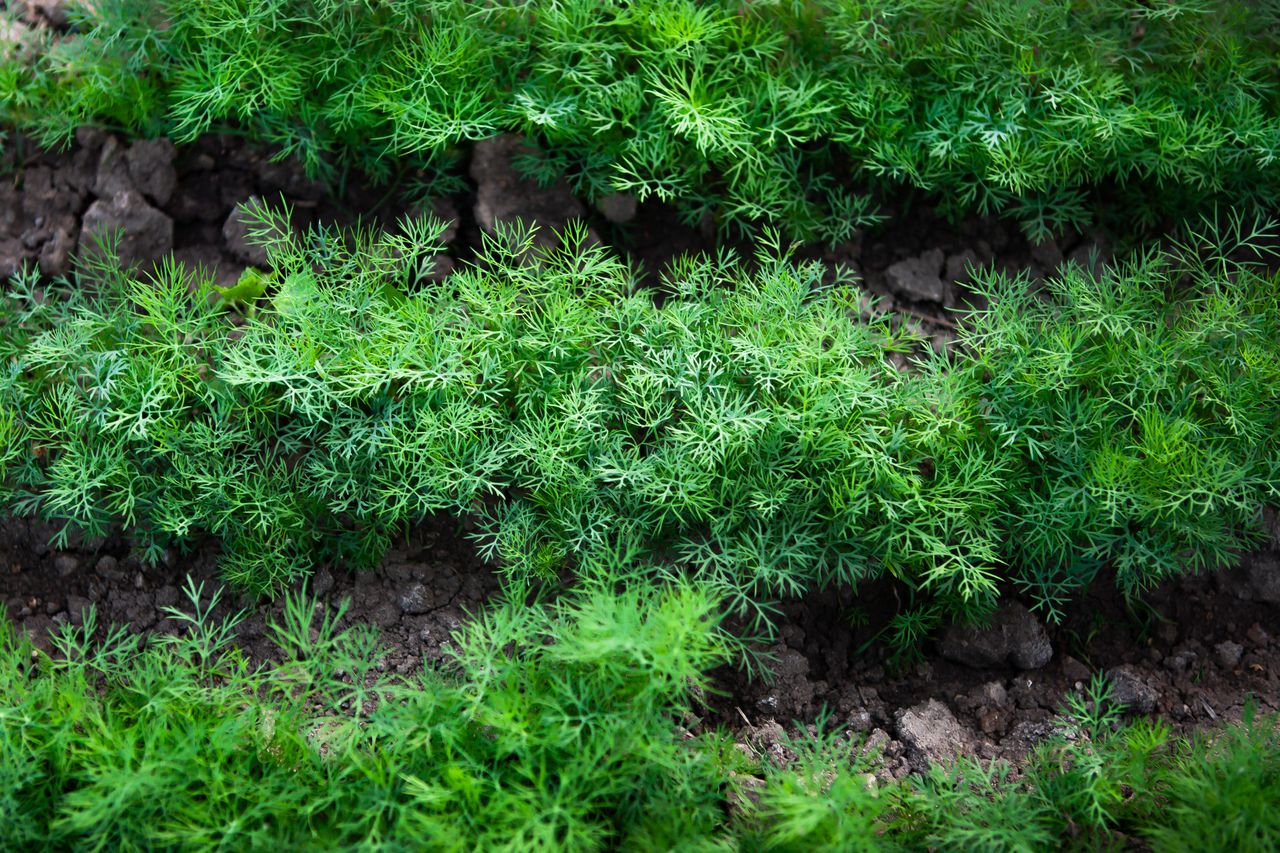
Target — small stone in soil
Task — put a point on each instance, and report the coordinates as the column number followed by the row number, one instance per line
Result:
column 504, row 194
column 1229, row 654
column 167, row 596
column 322, row 582
column 1264, row 575
column 112, row 174
column 993, row 692
column 859, row 720
column 918, row 278
column 146, row 233
column 1129, row 690
column 1047, row 254
column 958, row 266
column 76, row 605
column 53, row 11
column 932, row 734
column 1074, row 671
column 415, row 600
column 385, row 615
column 150, row 163
column 236, row 232
column 617, row 207
column 1014, row 637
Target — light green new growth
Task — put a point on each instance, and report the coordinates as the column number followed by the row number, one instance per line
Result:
column 748, row 428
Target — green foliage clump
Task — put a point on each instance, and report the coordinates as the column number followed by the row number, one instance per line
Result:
column 551, row 730
column 554, row 726
column 786, row 112
column 1101, row 782
column 1137, row 411
column 747, row 427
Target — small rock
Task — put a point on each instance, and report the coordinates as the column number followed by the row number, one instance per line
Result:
column 38, row 627
column 1074, row 671
column 993, row 693
column 877, row 744
column 859, row 720
column 791, row 692
column 918, row 278
column 167, row 596
column 76, row 606
column 1092, row 256
column 1264, row 576
column 253, row 626
column 446, row 211
column 959, row 267
column 1229, row 654
column 617, row 207
column 90, row 138
column 12, row 256
column 1129, row 690
column 398, row 566
column 1047, row 254
column 15, row 39
column 66, row 565
column 744, row 792
column 54, row 12
column 932, row 734
column 236, row 232
column 989, row 720
column 1015, row 637
column 769, row 741
column 112, row 176
column 415, row 600
column 150, row 163
column 322, row 582
column 55, row 254
column 385, row 615
column 504, row 195
column 442, row 268
column 146, row 233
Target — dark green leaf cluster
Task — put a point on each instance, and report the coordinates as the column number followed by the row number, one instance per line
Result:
column 558, row 726
column 785, row 111
column 748, row 427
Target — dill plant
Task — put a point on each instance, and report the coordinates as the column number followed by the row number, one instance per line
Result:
column 788, row 113
column 555, row 726
column 1103, row 781
column 181, row 742
column 746, row 429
